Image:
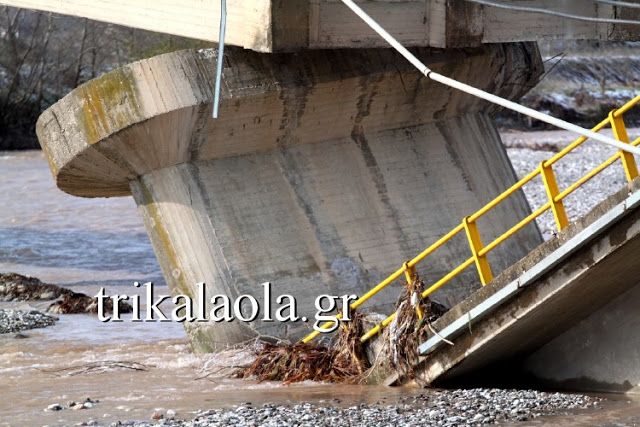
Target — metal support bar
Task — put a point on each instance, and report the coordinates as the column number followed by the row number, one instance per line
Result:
column 425, row 294
column 411, row 275
column 376, row 329
column 327, row 325
column 475, row 243
column 480, row 93
column 223, row 26
column 620, row 133
column 551, row 187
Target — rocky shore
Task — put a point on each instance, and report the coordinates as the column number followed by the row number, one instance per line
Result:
column 19, row 320
column 16, row 287
column 438, row 407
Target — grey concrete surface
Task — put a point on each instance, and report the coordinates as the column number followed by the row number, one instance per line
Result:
column 324, row 173
column 294, row 25
column 599, row 353
column 332, row 217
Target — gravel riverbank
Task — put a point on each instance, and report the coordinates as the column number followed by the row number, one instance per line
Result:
column 567, row 171
column 438, row 407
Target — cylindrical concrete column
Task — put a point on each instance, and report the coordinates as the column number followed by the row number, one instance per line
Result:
column 323, row 174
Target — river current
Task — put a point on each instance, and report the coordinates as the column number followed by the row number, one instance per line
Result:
column 132, row 369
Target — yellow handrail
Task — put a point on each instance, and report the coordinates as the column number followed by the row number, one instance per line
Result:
column 626, row 107
column 515, row 228
column 390, row 279
column 570, row 189
column 478, row 251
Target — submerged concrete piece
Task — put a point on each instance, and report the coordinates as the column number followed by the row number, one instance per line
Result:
column 293, row 25
column 322, row 174
column 576, row 327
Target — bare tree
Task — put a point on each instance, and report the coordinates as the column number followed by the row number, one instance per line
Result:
column 43, row 56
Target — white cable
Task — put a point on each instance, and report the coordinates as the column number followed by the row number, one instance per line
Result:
column 482, row 94
column 619, row 3
column 385, row 35
column 533, row 113
column 554, row 12
column 223, row 25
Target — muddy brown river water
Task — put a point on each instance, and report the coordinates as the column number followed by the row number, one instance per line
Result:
column 133, row 369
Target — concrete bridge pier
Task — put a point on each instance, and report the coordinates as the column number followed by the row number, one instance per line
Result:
column 324, row 171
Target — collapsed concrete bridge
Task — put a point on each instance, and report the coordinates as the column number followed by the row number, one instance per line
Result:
column 564, row 317
column 331, row 159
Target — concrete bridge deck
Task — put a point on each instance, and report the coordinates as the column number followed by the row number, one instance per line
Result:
column 565, row 316
column 292, row 25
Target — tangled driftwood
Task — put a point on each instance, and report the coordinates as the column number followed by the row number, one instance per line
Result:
column 410, row 327
column 345, row 361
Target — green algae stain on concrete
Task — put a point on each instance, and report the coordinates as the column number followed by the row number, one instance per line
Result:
column 200, row 341
column 144, row 197
column 108, row 104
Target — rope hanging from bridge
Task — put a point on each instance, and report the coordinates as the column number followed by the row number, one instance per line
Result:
column 482, row 94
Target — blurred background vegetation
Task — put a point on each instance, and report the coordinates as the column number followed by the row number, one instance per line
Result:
column 43, row 56
column 583, row 81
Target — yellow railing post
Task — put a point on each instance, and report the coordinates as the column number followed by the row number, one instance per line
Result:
column 409, row 273
column 475, row 243
column 620, row 133
column 551, row 186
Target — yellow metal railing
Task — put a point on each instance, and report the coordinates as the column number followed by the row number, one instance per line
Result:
column 469, row 223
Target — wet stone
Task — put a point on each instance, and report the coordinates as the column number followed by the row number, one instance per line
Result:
column 448, row 408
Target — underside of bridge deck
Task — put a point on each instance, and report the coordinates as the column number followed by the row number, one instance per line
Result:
column 294, row 25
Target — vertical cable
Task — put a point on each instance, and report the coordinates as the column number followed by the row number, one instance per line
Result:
column 223, row 24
